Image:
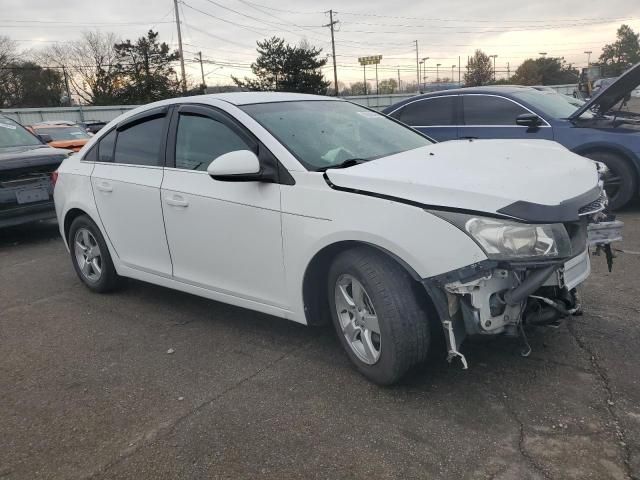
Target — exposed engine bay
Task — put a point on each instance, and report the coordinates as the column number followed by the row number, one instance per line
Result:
column 503, row 297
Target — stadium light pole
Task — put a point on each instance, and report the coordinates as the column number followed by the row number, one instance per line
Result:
column 494, row 65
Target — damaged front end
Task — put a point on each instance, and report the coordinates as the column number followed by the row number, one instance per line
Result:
column 531, row 281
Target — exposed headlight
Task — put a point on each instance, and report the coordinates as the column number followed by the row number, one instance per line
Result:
column 504, row 239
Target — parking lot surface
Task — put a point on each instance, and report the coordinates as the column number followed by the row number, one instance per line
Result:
column 151, row 383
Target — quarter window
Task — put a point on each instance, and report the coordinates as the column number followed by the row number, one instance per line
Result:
column 432, row 111
column 200, row 140
column 140, row 143
column 488, row 110
column 105, row 148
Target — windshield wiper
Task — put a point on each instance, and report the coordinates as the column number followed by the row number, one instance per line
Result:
column 350, row 162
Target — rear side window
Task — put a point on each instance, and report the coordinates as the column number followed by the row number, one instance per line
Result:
column 433, row 111
column 105, row 147
column 202, row 139
column 487, row 110
column 140, row 143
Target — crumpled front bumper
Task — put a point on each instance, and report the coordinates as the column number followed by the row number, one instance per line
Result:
column 492, row 298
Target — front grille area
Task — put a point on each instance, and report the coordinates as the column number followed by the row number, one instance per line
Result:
column 596, row 206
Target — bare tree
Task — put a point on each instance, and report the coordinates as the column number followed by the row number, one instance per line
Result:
column 8, row 56
column 90, row 64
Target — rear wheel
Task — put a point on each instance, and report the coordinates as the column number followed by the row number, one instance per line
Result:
column 379, row 320
column 620, row 182
column 90, row 256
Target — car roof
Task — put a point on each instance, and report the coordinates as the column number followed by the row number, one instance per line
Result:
column 246, row 98
column 488, row 90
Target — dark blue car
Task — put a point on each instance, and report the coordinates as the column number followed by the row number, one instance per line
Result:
column 592, row 129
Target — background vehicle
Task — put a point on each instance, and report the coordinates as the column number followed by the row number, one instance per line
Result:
column 26, row 169
column 62, row 135
column 526, row 113
column 313, row 209
column 92, row 126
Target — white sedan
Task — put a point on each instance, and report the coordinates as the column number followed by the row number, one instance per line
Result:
column 315, row 209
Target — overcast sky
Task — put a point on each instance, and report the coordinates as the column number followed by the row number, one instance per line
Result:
column 445, row 30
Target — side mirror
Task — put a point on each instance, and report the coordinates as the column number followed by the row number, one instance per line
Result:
column 530, row 120
column 44, row 137
column 238, row 166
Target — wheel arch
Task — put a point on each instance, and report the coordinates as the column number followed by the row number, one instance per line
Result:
column 70, row 216
column 314, row 285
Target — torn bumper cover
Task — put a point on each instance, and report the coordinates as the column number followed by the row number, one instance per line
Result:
column 496, row 297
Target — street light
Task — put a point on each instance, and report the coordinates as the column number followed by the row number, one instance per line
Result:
column 424, row 70
column 494, row 66
column 588, row 53
column 542, row 54
column 438, row 72
column 453, row 67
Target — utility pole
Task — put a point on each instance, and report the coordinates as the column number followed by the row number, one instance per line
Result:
column 333, row 49
column 184, row 78
column 204, row 85
column 399, row 81
column 66, row 84
column 458, row 69
column 417, row 66
column 508, row 70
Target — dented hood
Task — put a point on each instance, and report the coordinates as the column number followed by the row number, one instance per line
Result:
column 534, row 180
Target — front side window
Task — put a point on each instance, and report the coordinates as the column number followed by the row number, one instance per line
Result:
column 105, row 147
column 323, row 133
column 553, row 104
column 489, row 110
column 436, row 111
column 200, row 140
column 13, row 134
column 140, row 143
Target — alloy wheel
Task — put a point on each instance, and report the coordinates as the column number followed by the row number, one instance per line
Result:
column 358, row 319
column 88, row 255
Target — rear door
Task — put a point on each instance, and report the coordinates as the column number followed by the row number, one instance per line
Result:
column 433, row 116
column 126, row 184
column 494, row 116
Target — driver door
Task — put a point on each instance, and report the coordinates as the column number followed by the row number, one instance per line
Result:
column 223, row 235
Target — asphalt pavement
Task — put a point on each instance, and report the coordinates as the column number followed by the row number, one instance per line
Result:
column 148, row 383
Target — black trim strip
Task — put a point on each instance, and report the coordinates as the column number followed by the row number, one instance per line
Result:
column 566, row 211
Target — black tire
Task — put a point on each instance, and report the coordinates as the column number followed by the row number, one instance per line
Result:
column 623, row 172
column 404, row 327
column 108, row 279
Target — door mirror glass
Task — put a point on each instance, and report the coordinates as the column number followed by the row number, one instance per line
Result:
column 240, row 165
column 528, row 120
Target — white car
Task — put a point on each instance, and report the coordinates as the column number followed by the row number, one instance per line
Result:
column 315, row 209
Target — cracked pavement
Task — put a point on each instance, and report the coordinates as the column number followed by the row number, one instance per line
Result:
column 88, row 390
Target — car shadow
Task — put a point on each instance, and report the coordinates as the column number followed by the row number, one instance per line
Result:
column 44, row 230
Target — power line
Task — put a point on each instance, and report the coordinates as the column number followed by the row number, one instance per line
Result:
column 478, row 21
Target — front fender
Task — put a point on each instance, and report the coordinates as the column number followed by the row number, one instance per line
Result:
column 427, row 245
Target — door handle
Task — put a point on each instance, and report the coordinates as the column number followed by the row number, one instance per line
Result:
column 176, row 201
column 104, row 187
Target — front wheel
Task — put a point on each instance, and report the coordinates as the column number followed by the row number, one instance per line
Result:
column 620, row 182
column 376, row 312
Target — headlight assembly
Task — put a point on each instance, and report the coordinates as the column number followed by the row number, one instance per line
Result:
column 508, row 240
